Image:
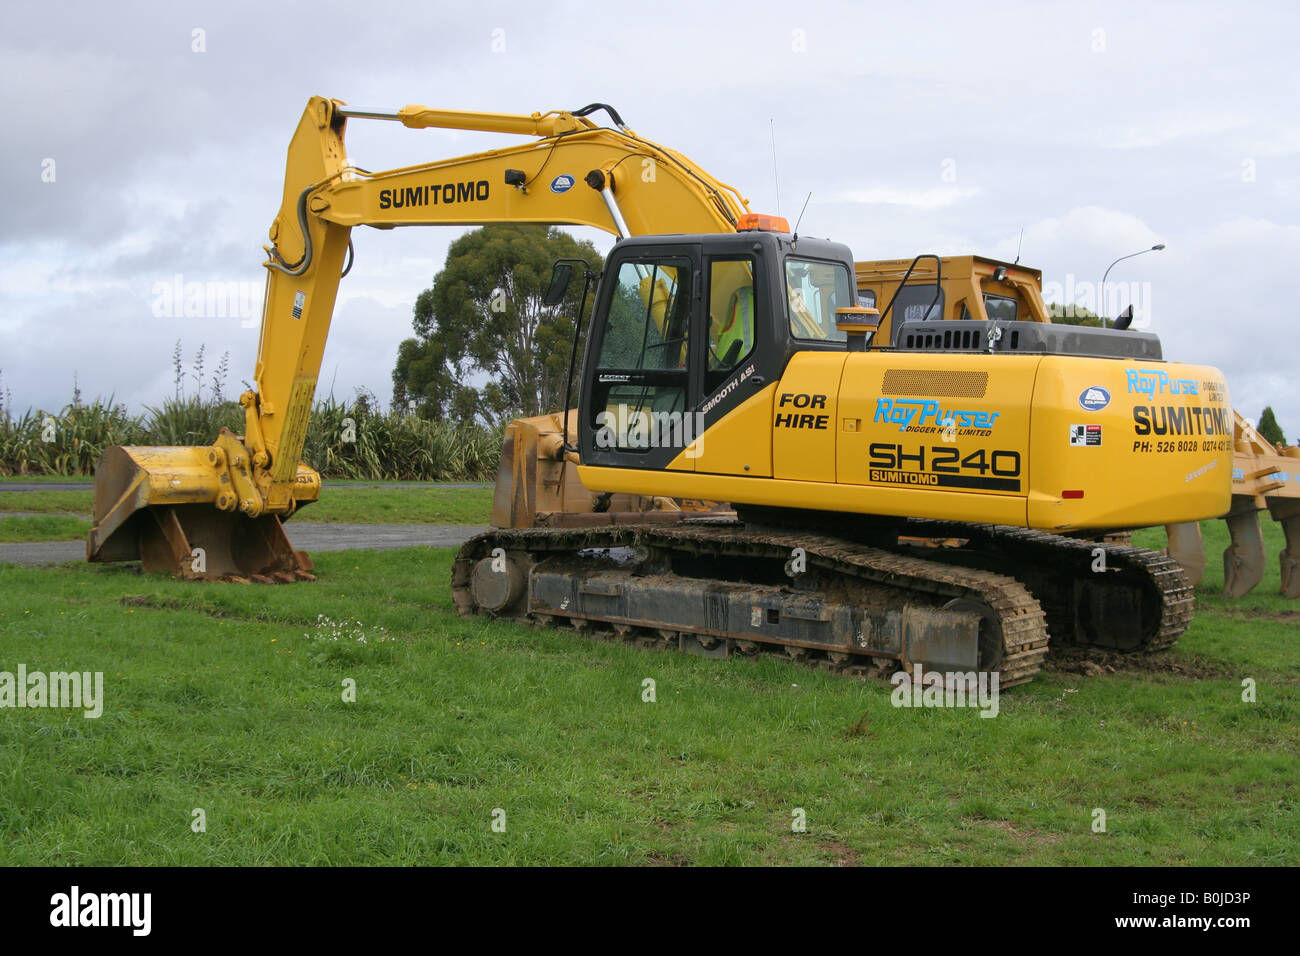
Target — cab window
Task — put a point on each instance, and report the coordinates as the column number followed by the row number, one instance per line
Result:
column 917, row 303
column 648, row 317
column 814, row 290
column 732, row 317
column 641, row 372
column 1000, row 308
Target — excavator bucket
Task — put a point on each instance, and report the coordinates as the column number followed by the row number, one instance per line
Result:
column 538, row 485
column 174, row 511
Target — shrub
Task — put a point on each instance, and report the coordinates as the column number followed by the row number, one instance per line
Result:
column 384, row 445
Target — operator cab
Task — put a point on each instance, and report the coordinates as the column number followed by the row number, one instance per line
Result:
column 686, row 328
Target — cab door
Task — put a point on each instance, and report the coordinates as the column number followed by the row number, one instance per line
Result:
column 637, row 399
column 736, row 360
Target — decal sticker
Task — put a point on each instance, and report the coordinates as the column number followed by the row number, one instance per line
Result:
column 562, row 183
column 1085, row 435
column 793, row 420
column 726, row 390
column 1094, row 398
column 943, row 466
column 434, row 194
column 1189, row 420
column 1153, row 381
column 927, row 415
column 299, row 301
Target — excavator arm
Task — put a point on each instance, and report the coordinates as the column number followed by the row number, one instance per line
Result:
column 573, row 173
column 215, row 511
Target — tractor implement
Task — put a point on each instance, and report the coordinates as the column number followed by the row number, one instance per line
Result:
column 1263, row 478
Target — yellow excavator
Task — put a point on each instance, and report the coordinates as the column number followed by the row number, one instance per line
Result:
column 730, row 360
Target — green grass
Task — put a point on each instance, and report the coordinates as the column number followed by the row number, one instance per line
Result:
column 39, row 479
column 47, row 502
column 216, row 698
column 376, row 504
column 361, row 503
column 369, row 483
column 42, row 528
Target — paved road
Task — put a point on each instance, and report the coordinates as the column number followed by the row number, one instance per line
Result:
column 306, row 536
column 332, row 486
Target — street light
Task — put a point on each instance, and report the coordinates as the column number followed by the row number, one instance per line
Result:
column 1156, row 248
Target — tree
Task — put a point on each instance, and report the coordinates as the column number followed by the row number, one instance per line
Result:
column 484, row 318
column 1072, row 315
column 1269, row 429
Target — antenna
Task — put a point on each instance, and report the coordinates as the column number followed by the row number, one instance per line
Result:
column 771, row 123
column 1018, row 245
column 795, row 238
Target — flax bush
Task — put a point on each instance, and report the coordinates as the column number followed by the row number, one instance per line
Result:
column 344, row 440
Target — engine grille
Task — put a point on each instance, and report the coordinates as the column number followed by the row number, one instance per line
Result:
column 942, row 382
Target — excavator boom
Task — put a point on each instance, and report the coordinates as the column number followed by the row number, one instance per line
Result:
column 215, row 511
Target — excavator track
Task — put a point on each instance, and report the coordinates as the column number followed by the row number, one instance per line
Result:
column 717, row 588
column 1096, row 594
column 1110, row 596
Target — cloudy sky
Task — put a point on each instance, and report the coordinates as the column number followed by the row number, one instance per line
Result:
column 130, row 158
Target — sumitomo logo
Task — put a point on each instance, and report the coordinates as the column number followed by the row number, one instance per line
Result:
column 1094, row 398
column 76, row 908
column 561, row 184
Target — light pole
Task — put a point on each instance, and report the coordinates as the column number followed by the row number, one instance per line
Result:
column 1156, row 248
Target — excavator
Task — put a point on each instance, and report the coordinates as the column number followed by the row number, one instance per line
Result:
column 728, row 360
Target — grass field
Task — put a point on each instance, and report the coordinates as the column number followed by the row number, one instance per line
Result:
column 40, row 479
column 48, row 502
column 47, row 527
column 228, row 699
column 376, row 504
column 359, row 502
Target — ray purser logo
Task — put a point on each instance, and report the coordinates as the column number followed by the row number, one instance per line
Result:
column 76, row 909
